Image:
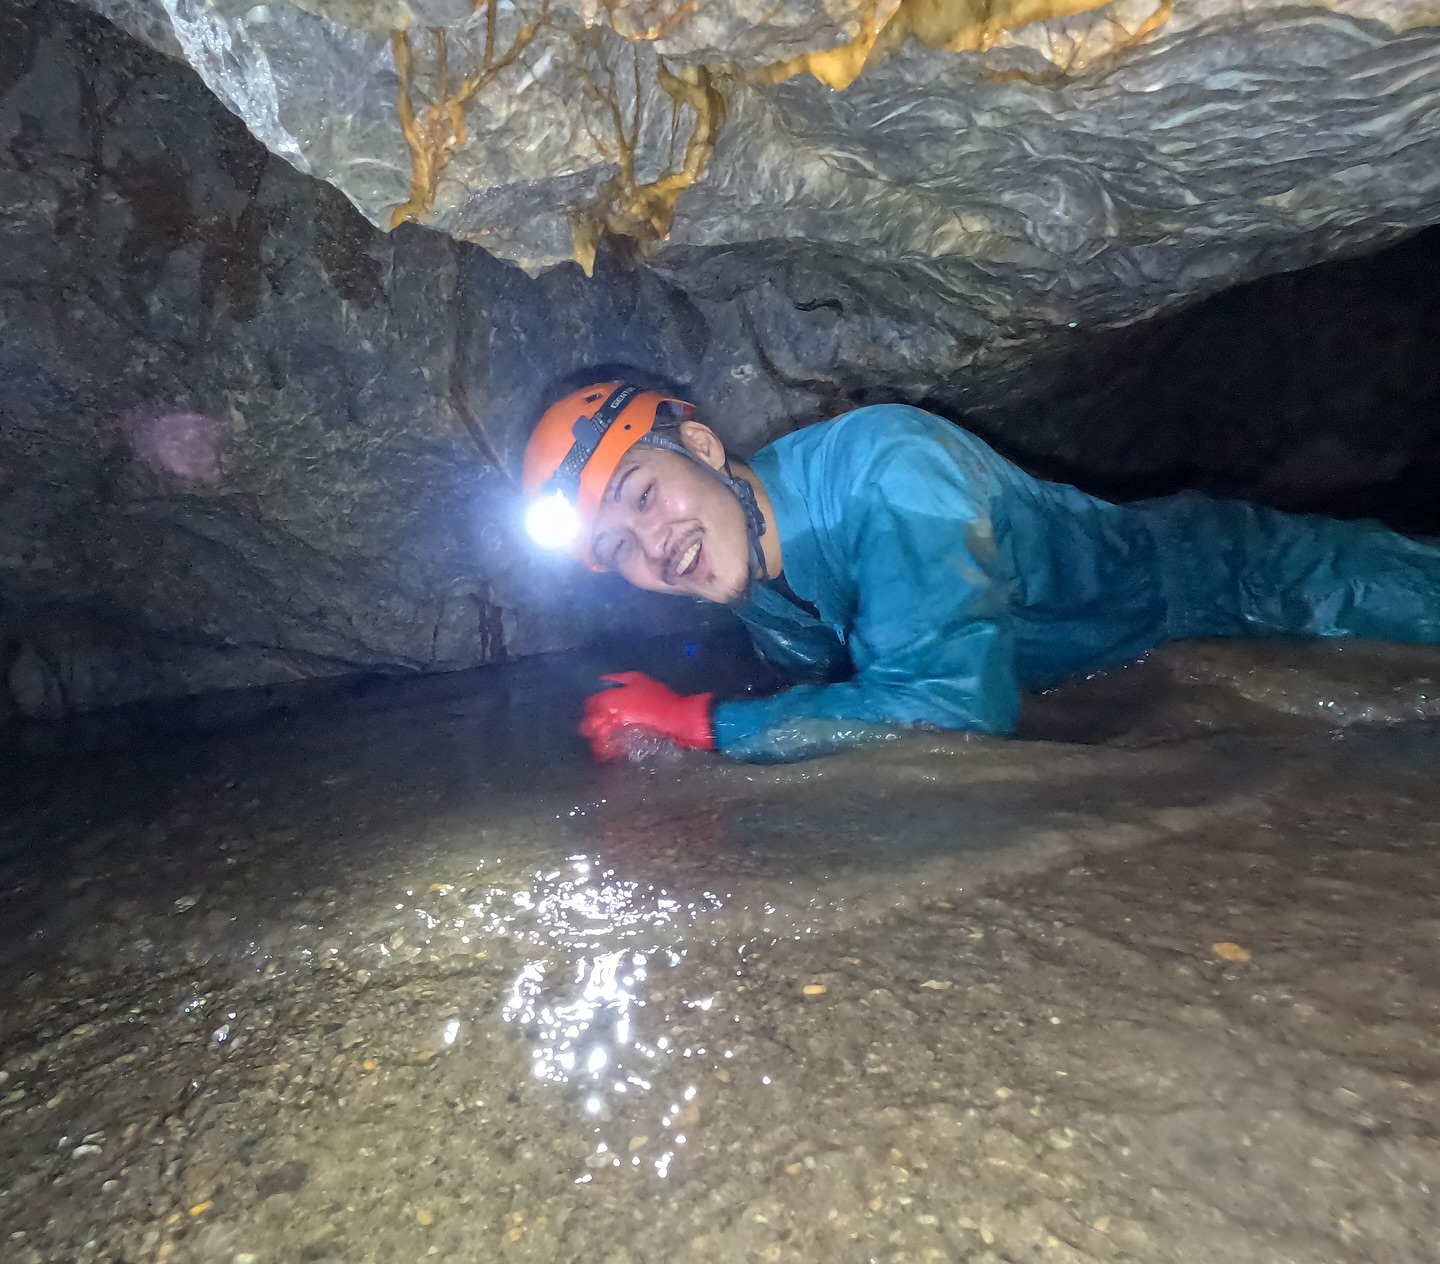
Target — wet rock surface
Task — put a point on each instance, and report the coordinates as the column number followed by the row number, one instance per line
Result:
column 1256, row 687
column 1096, row 162
column 246, row 438
column 404, row 977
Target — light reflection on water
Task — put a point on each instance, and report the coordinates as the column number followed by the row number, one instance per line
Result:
column 581, row 1000
column 596, row 961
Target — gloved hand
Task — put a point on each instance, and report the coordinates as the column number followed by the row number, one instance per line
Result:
column 644, row 704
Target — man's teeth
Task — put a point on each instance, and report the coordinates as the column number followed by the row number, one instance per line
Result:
column 688, row 559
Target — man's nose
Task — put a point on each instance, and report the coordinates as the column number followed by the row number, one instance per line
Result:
column 652, row 537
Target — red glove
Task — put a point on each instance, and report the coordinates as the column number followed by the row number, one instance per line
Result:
column 642, row 703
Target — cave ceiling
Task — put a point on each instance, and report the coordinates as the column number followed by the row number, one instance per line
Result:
column 1003, row 167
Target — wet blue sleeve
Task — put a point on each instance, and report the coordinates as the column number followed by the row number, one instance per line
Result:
column 811, row 653
column 932, row 639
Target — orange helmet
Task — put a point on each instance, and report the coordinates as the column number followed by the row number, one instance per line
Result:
column 575, row 450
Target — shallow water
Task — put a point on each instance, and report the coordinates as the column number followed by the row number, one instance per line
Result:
column 402, row 976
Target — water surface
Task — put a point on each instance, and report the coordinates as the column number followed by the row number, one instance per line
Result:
column 401, row 975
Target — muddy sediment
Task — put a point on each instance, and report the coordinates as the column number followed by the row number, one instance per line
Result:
column 407, row 978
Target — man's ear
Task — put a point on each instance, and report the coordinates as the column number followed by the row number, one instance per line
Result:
column 703, row 443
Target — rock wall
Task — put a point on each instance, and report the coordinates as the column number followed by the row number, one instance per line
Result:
column 246, row 437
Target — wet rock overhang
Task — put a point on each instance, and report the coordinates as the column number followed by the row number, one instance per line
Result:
column 1031, row 162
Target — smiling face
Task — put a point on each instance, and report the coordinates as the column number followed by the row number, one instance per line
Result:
column 667, row 526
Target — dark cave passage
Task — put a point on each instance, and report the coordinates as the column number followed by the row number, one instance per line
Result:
column 1313, row 391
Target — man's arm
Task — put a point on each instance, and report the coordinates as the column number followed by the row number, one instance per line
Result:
column 932, row 639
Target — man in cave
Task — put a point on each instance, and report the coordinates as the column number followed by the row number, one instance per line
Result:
column 906, row 574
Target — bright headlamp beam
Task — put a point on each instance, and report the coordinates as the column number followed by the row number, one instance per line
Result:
column 552, row 521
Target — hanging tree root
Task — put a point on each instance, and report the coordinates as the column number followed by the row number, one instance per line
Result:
column 438, row 129
column 645, row 211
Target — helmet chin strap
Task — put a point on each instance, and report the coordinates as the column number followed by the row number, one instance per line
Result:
column 754, row 521
column 741, row 490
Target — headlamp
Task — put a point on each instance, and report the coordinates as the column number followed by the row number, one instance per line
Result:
column 552, row 520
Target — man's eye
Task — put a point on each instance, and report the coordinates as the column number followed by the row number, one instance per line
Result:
column 644, row 497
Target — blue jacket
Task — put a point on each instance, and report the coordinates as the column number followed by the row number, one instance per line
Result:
column 948, row 580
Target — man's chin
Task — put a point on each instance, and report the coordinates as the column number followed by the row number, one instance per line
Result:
column 716, row 595
column 737, row 595
column 714, row 592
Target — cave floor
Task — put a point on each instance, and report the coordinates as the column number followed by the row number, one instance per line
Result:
column 404, row 978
